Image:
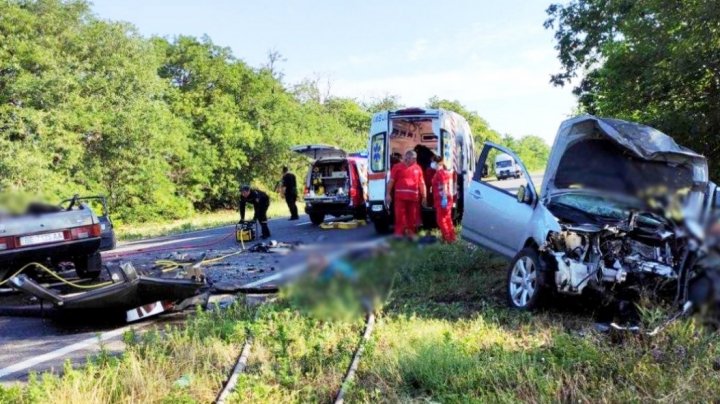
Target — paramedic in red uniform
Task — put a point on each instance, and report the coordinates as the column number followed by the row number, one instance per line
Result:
column 443, row 200
column 410, row 192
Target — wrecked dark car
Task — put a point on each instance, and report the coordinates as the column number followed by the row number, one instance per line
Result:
column 49, row 233
column 621, row 207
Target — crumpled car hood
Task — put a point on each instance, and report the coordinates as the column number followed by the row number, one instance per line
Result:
column 640, row 141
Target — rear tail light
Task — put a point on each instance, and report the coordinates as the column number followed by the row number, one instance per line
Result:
column 7, row 243
column 84, row 232
column 307, row 191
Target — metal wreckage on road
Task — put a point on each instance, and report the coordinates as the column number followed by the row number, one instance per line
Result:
column 128, row 292
column 139, row 296
column 622, row 210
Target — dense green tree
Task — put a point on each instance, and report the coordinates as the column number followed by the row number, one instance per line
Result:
column 386, row 103
column 244, row 121
column 219, row 97
column 81, row 110
column 532, row 150
column 652, row 61
column 350, row 114
column 163, row 127
column 480, row 128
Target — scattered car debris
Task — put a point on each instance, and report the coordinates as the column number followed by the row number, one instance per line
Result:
column 273, row 246
column 147, row 310
column 130, row 291
column 239, row 287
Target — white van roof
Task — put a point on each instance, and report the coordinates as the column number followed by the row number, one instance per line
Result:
column 503, row 157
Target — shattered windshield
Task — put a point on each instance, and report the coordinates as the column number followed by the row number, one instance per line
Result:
column 578, row 207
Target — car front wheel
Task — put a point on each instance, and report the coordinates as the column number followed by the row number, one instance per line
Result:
column 524, row 287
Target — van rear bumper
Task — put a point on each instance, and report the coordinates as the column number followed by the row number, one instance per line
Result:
column 378, row 211
column 331, row 208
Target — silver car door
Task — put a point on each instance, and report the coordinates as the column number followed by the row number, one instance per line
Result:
column 495, row 217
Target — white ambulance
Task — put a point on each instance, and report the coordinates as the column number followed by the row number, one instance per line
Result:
column 392, row 133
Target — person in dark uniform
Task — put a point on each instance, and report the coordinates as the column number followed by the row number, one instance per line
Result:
column 290, row 192
column 260, row 202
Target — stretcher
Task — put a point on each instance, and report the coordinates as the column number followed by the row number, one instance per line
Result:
column 352, row 224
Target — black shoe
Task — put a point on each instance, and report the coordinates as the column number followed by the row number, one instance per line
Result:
column 294, row 218
column 265, row 236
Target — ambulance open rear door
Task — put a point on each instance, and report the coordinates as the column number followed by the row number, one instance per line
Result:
column 378, row 168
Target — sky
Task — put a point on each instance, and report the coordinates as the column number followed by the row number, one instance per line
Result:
column 495, row 57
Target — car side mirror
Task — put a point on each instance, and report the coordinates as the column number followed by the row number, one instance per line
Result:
column 523, row 196
column 485, row 171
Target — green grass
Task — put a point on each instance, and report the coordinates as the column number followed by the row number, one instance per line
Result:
column 200, row 221
column 296, row 357
column 444, row 334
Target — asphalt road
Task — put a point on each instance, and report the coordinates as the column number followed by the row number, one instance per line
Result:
column 35, row 344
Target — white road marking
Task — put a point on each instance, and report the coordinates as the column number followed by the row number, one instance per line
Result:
column 154, row 244
column 302, row 224
column 59, row 353
column 140, row 243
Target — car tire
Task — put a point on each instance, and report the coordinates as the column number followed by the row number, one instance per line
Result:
column 317, row 218
column 525, row 289
column 88, row 266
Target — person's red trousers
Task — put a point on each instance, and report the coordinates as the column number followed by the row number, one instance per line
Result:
column 406, row 217
column 443, row 217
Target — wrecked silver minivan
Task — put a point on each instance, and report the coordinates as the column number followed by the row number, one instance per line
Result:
column 620, row 206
